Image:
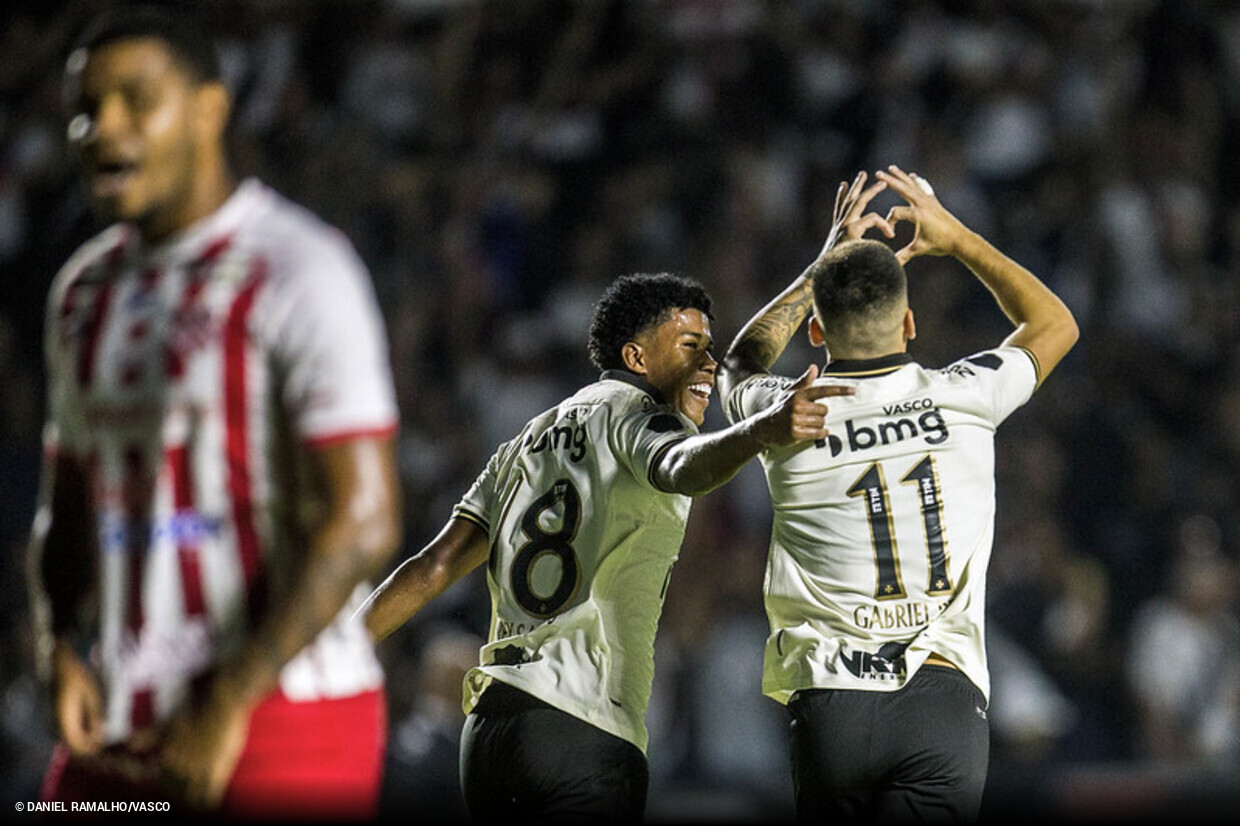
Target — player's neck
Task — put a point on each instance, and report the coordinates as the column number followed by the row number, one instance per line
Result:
column 208, row 194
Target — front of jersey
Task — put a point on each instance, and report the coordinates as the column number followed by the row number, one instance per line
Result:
column 582, row 548
column 190, row 380
column 882, row 532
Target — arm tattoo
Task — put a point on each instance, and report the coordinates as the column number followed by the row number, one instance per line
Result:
column 764, row 339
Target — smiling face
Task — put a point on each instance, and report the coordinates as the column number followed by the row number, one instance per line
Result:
column 148, row 135
column 674, row 356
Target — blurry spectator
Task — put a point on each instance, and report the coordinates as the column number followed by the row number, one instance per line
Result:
column 1183, row 657
column 421, row 776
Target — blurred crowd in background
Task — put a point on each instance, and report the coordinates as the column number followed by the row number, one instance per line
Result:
column 498, row 162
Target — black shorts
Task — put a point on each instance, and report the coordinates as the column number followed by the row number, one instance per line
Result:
column 525, row 760
column 920, row 753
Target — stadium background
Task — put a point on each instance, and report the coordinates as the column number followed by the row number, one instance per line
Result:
column 496, row 162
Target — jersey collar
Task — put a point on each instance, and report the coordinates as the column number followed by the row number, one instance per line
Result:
column 635, row 380
column 860, row 368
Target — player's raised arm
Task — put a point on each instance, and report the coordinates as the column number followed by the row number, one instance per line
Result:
column 763, row 339
column 1044, row 324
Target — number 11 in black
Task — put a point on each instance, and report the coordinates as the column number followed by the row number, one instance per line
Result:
column 871, row 488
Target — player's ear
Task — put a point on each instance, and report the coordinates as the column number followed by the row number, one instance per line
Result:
column 214, row 107
column 910, row 327
column 634, row 357
column 815, row 332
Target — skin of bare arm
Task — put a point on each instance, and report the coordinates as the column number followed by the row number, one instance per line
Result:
column 1044, row 324
column 358, row 534
column 764, row 337
column 63, row 581
column 460, row 547
column 702, row 463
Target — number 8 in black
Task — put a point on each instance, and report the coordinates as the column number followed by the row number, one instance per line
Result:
column 564, row 497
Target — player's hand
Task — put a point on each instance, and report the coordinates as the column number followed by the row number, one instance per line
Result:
column 935, row 230
column 799, row 416
column 849, row 220
column 200, row 750
column 78, row 701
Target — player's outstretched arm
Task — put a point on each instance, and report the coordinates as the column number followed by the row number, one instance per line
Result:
column 459, row 548
column 764, row 337
column 703, row 462
column 1044, row 324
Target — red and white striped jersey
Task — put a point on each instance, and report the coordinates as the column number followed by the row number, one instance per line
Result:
column 189, row 379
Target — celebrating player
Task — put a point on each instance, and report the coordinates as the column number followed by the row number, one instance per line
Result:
column 580, row 518
column 882, row 531
column 220, row 479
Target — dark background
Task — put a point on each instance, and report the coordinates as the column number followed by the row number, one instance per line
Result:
column 497, row 162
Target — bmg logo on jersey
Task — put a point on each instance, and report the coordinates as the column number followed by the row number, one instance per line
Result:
column 929, row 425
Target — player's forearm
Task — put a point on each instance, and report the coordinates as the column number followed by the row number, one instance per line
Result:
column 764, row 338
column 1020, row 294
column 62, row 568
column 460, row 548
column 348, row 550
column 702, row 463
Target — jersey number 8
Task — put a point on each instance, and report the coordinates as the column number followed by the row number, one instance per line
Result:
column 530, row 579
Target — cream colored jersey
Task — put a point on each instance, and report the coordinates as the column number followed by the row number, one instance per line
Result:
column 582, row 548
column 882, row 532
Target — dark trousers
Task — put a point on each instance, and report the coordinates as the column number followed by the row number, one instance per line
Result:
column 522, row 759
column 917, row 754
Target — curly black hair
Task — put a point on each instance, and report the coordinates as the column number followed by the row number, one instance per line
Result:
column 635, row 302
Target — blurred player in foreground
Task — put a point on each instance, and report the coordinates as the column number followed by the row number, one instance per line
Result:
column 580, row 518
column 875, row 585
column 220, row 480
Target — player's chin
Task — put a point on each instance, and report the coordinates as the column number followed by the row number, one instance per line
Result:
column 694, row 406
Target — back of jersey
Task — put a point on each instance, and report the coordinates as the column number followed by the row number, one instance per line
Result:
column 582, row 547
column 882, row 532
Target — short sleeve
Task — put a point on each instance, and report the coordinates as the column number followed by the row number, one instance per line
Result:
column 641, row 436
column 754, row 394
column 334, row 345
column 477, row 503
column 1004, row 379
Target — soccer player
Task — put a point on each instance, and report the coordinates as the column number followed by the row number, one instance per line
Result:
column 580, row 518
column 882, row 531
column 220, row 479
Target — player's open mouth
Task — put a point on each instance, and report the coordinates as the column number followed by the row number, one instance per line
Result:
column 111, row 177
column 701, row 390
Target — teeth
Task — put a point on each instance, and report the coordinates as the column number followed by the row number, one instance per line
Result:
column 702, row 388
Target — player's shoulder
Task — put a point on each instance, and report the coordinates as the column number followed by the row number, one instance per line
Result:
column 91, row 257
column 986, row 363
column 293, row 238
column 620, row 396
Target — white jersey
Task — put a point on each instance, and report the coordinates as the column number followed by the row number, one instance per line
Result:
column 582, row 548
column 188, row 379
column 882, row 532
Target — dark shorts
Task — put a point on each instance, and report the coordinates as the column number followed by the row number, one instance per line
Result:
column 920, row 753
column 523, row 759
